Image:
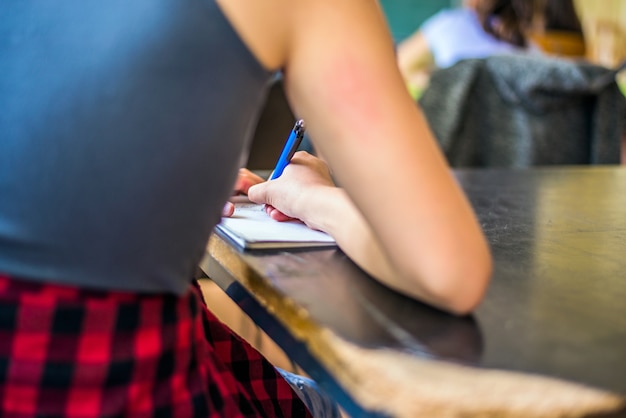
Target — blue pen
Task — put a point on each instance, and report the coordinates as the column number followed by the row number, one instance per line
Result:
column 293, row 142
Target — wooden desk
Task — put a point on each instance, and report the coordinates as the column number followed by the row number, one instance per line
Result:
column 549, row 340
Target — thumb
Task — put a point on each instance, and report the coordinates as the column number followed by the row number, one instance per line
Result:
column 258, row 193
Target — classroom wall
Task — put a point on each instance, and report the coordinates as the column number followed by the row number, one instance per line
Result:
column 614, row 10
column 604, row 23
column 405, row 16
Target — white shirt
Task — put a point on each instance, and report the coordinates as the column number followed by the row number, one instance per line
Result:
column 456, row 34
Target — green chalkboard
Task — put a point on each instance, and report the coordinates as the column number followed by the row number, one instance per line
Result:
column 405, row 16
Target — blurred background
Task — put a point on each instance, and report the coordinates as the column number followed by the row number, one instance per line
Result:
column 604, row 23
column 405, row 16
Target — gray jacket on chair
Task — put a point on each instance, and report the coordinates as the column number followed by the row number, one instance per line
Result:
column 526, row 110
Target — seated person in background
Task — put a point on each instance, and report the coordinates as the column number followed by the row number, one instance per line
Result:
column 478, row 29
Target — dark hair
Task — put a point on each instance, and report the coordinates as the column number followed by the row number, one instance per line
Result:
column 507, row 20
column 561, row 15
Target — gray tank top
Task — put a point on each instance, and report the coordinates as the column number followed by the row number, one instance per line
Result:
column 122, row 126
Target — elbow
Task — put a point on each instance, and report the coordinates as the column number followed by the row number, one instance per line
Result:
column 461, row 288
column 458, row 286
column 464, row 302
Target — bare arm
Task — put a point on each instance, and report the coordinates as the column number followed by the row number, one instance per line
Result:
column 413, row 227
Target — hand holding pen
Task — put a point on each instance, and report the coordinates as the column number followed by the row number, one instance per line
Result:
column 247, row 178
column 292, row 144
column 310, row 173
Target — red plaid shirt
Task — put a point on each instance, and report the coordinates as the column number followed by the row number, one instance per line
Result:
column 76, row 353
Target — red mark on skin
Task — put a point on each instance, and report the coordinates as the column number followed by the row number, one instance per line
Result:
column 348, row 90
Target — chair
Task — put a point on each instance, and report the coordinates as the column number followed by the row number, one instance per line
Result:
column 525, row 110
column 560, row 43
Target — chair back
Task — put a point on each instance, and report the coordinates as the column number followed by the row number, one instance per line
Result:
column 525, row 110
column 560, row 43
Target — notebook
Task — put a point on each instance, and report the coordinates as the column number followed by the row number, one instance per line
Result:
column 250, row 228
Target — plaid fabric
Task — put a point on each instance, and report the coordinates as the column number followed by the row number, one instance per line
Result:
column 75, row 353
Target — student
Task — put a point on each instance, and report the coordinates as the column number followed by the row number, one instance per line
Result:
column 478, row 29
column 123, row 126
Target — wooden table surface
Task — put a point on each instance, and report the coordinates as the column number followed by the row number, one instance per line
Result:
column 549, row 340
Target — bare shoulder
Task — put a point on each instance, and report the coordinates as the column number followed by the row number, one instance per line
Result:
column 264, row 26
column 274, row 29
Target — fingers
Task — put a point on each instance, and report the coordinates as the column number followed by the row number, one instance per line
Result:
column 276, row 215
column 245, row 180
column 285, row 196
column 228, row 209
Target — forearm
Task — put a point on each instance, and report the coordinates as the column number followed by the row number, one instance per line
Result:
column 431, row 250
column 330, row 209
